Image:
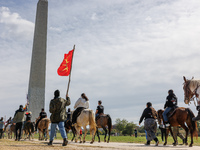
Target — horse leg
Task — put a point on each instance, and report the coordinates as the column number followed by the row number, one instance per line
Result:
column 166, row 136
column 98, row 135
column 175, row 142
column 186, row 131
column 105, row 133
column 74, row 132
column 109, row 132
column 85, row 129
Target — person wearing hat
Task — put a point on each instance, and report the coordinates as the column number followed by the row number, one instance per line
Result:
column 18, row 119
column 171, row 102
column 57, row 108
column 99, row 110
column 150, row 125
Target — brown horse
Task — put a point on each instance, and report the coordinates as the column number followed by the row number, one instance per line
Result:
column 68, row 126
column 43, row 126
column 29, row 129
column 7, row 127
column 104, row 121
column 180, row 116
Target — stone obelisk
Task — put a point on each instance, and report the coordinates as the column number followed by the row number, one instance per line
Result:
column 36, row 90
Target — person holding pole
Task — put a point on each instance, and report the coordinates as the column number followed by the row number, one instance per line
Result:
column 57, row 108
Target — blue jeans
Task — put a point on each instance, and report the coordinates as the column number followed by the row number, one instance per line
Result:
column 61, row 128
column 165, row 114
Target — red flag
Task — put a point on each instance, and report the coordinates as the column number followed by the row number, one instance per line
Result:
column 65, row 66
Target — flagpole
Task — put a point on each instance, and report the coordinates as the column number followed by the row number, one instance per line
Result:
column 70, row 71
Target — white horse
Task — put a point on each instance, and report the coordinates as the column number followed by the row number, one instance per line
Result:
column 191, row 90
column 86, row 117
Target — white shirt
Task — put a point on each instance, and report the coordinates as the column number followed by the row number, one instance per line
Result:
column 81, row 103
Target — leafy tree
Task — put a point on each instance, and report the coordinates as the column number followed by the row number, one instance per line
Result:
column 121, row 124
column 129, row 129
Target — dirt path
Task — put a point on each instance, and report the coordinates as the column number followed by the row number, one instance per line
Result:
column 57, row 145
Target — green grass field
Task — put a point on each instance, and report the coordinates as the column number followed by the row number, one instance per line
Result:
column 130, row 139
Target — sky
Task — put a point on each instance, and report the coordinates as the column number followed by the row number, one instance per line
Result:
column 127, row 53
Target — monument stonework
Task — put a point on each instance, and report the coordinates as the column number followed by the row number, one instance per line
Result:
column 36, row 90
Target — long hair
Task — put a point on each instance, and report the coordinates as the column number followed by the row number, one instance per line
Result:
column 84, row 96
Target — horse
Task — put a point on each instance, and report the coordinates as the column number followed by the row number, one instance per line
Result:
column 85, row 118
column 12, row 130
column 68, row 126
column 104, row 121
column 7, row 127
column 29, row 129
column 179, row 117
column 191, row 89
column 43, row 126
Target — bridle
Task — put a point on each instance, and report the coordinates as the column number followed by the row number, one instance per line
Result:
column 188, row 92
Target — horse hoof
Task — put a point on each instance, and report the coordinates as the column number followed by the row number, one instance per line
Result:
column 186, row 143
column 190, row 145
column 91, row 142
column 107, row 141
column 80, row 141
column 83, row 141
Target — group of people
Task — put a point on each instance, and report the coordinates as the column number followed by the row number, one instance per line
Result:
column 57, row 108
column 58, row 117
column 150, row 115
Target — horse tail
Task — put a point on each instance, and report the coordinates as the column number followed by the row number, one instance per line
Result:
column 92, row 122
column 109, row 122
column 194, row 123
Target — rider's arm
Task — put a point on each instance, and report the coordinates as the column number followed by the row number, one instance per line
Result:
column 96, row 111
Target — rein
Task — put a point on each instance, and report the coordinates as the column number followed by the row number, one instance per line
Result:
column 193, row 93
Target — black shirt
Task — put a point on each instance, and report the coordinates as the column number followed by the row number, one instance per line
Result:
column 100, row 109
column 147, row 113
column 171, row 101
column 43, row 115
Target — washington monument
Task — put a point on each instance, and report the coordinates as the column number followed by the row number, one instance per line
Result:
column 36, row 90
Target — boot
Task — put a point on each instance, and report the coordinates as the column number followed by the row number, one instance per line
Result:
column 197, row 117
column 148, row 143
column 64, row 142
column 157, row 142
column 50, row 143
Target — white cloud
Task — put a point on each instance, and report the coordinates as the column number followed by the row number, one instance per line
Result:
column 13, row 25
column 127, row 53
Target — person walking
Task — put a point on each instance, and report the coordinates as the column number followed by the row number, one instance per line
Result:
column 57, row 108
column 18, row 119
column 150, row 124
column 1, row 127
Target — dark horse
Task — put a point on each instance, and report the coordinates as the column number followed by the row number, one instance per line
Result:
column 179, row 117
column 68, row 126
column 29, row 129
column 104, row 121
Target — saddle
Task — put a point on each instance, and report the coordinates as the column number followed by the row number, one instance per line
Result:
column 101, row 115
column 172, row 111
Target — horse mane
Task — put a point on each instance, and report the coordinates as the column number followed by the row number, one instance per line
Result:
column 194, row 83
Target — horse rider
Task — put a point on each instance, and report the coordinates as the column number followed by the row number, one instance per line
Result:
column 57, row 108
column 171, row 102
column 99, row 110
column 150, row 124
column 19, row 118
column 1, row 127
column 69, row 114
column 42, row 115
column 81, row 103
